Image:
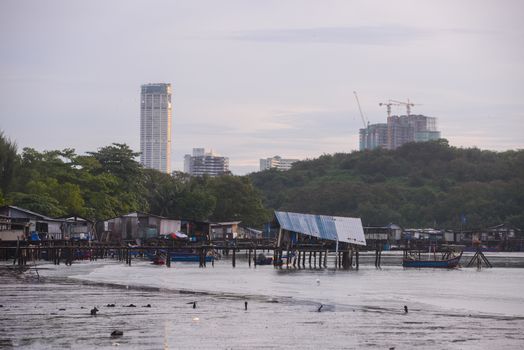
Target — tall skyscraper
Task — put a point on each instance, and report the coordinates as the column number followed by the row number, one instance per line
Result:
column 155, row 126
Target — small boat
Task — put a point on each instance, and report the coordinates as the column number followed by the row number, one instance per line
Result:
column 261, row 259
column 189, row 257
column 447, row 262
column 178, row 256
column 159, row 260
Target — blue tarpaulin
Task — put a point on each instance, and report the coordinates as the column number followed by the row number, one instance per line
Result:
column 34, row 236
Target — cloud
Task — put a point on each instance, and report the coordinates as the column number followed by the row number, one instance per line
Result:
column 357, row 35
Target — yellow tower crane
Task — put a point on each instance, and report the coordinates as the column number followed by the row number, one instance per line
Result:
column 388, row 106
column 407, row 104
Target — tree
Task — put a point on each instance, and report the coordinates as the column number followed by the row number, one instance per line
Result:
column 237, row 199
column 8, row 162
column 419, row 184
column 118, row 161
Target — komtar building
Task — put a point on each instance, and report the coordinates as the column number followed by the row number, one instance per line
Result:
column 155, row 126
column 398, row 131
column 276, row 162
column 201, row 163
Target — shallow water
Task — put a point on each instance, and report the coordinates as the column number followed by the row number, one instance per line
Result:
column 452, row 309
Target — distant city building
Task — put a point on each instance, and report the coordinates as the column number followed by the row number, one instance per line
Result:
column 205, row 163
column 155, row 126
column 398, row 131
column 374, row 136
column 411, row 128
column 276, row 162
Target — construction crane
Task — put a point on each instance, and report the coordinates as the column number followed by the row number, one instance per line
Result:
column 407, row 104
column 360, row 110
column 388, row 106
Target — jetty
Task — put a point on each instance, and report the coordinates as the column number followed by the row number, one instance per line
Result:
column 290, row 240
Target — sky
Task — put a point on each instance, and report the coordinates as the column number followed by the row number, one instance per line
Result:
column 254, row 79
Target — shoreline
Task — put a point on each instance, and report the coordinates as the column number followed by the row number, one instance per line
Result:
column 54, row 313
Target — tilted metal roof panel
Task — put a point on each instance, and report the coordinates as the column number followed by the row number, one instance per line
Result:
column 334, row 228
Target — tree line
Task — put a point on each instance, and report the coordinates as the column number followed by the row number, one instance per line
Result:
column 110, row 182
column 427, row 184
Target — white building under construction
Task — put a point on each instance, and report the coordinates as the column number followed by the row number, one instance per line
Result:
column 399, row 129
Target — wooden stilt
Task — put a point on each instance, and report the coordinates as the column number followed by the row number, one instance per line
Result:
column 356, row 258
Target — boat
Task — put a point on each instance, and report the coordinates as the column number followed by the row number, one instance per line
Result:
column 447, row 262
column 189, row 257
column 261, row 259
column 180, row 256
column 159, row 260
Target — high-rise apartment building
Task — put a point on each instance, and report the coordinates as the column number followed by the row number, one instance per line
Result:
column 205, row 163
column 411, row 128
column 398, row 131
column 276, row 162
column 374, row 136
column 155, row 126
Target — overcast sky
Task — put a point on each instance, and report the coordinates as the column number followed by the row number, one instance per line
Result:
column 253, row 79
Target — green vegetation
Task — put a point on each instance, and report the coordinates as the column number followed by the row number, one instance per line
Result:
column 110, row 182
column 419, row 184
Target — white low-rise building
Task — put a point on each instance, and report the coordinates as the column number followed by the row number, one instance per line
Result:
column 276, row 162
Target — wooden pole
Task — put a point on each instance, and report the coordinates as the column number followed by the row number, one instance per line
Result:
column 356, row 258
column 304, row 259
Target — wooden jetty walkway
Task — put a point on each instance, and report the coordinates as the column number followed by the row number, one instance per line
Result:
column 298, row 256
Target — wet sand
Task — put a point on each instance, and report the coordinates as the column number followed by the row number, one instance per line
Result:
column 282, row 308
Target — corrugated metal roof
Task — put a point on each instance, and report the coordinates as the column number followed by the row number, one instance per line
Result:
column 331, row 228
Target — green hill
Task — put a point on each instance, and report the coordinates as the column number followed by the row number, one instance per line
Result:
column 419, row 184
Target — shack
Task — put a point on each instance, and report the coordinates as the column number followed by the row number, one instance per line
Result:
column 35, row 226
column 392, row 233
column 78, row 228
column 196, row 230
column 295, row 227
column 10, row 231
column 224, row 230
column 136, row 226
